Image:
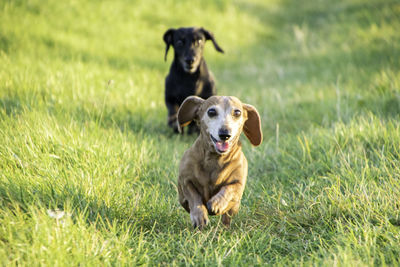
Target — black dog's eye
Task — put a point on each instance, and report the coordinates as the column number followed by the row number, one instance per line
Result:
column 212, row 112
column 179, row 42
column 237, row 113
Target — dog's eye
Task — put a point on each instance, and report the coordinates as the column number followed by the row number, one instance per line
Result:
column 179, row 43
column 212, row 112
column 237, row 113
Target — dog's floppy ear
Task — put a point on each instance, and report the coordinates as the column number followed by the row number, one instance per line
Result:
column 168, row 38
column 188, row 111
column 209, row 36
column 252, row 126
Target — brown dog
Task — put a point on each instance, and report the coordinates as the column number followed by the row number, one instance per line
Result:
column 213, row 172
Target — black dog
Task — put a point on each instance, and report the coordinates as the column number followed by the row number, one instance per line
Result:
column 188, row 74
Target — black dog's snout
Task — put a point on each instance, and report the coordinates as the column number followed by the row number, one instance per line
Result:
column 189, row 61
column 224, row 134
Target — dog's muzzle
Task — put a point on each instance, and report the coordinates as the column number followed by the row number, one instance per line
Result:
column 190, row 65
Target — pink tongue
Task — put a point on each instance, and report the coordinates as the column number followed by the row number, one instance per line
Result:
column 222, row 146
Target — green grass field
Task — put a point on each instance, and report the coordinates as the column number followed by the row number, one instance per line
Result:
column 83, row 131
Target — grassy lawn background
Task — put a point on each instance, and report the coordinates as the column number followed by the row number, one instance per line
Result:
column 83, row 131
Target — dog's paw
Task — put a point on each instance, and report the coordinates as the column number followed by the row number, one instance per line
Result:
column 199, row 217
column 217, row 205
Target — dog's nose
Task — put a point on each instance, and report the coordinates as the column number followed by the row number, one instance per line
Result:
column 189, row 61
column 224, row 134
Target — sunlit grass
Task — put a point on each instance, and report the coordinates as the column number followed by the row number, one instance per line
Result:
column 88, row 167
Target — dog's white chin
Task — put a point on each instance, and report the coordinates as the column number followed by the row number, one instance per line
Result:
column 191, row 71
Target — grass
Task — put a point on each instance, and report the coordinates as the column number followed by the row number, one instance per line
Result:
column 88, row 167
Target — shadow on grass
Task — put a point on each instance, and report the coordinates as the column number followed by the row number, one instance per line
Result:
column 12, row 106
column 149, row 123
column 91, row 208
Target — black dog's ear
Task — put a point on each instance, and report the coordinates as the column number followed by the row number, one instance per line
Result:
column 168, row 38
column 210, row 36
column 188, row 111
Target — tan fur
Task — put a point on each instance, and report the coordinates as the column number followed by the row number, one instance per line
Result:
column 211, row 182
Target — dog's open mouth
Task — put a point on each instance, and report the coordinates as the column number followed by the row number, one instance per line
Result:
column 220, row 146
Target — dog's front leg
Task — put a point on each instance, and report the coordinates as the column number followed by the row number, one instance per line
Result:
column 172, row 108
column 198, row 212
column 227, row 197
